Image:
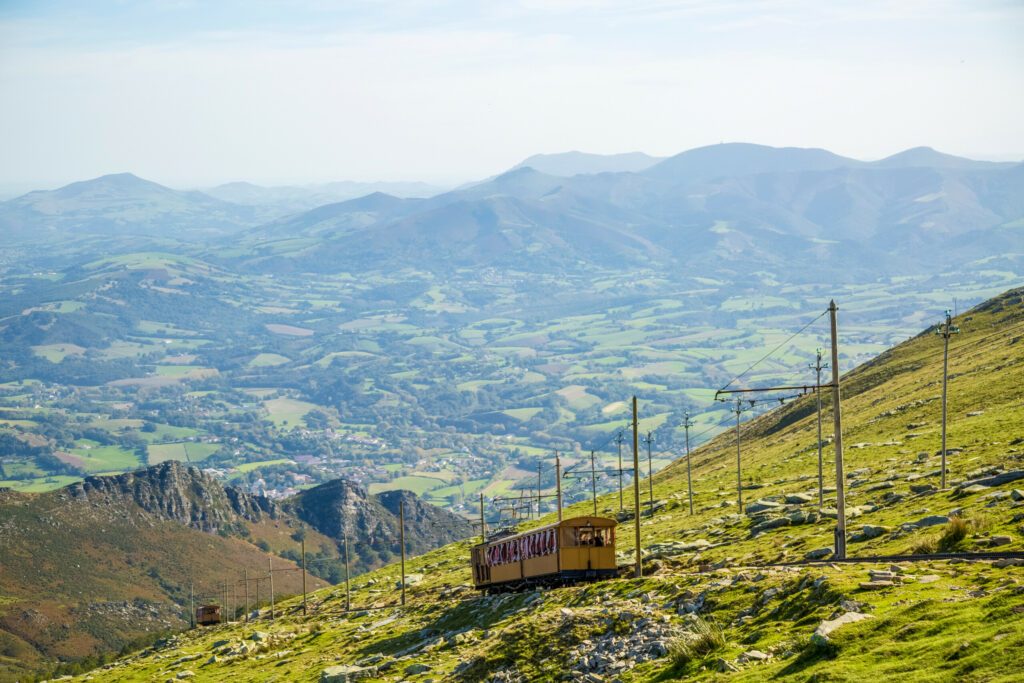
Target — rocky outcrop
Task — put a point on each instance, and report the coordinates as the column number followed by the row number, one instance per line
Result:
column 340, row 507
column 178, row 493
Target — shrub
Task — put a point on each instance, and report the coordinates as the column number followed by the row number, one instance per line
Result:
column 953, row 535
column 705, row 637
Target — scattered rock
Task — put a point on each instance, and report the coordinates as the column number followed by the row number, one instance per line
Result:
column 725, row 666
column 826, row 628
column 818, row 554
column 761, row 506
column 869, row 531
column 1008, row 562
column 345, row 673
column 798, row 498
column 999, row 540
column 874, row 585
column 927, row 578
column 995, row 480
column 931, row 520
column 753, row 656
column 1017, row 494
column 414, row 669
column 185, row 674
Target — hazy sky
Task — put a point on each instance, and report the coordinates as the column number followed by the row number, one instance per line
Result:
column 192, row 93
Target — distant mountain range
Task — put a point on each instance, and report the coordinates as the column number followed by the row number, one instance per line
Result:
column 725, row 207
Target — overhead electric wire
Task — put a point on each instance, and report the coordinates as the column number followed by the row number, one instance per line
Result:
column 770, row 353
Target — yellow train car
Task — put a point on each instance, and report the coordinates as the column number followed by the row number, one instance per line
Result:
column 573, row 550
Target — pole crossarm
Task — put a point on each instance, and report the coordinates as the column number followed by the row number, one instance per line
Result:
column 795, row 387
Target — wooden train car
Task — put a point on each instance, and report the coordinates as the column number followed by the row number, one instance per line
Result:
column 207, row 615
column 573, row 550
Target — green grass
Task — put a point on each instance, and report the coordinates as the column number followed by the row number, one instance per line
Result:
column 250, row 466
column 184, row 451
column 265, row 360
column 105, row 458
column 417, row 484
column 288, row 412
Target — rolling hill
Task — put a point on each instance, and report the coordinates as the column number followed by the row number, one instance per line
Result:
column 714, row 603
column 122, row 204
column 719, row 209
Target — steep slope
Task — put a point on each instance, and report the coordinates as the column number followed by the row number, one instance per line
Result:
column 339, row 507
column 86, row 569
column 121, row 204
column 702, row 612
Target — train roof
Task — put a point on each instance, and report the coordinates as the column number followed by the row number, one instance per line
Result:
column 586, row 520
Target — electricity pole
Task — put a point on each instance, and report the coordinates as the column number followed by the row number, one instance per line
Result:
column 739, row 477
column 818, row 367
column 538, row 488
column 636, row 489
column 270, row 565
column 650, row 471
column 344, row 535
column 689, row 470
column 593, row 481
column 303, row 572
column 483, row 524
column 618, row 439
column 558, row 484
column 191, row 604
column 401, row 537
column 837, row 417
column 245, row 581
column 946, row 330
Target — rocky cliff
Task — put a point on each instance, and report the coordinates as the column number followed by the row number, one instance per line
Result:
column 372, row 521
column 179, row 493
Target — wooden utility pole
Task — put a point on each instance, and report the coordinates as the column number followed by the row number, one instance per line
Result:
column 818, row 367
column 348, row 591
column 650, row 472
column 618, row 440
column 224, row 606
column 401, row 539
column 636, row 489
column 837, row 417
column 483, row 524
column 739, row 475
column 946, row 330
column 593, row 482
column 256, row 607
column 191, row 604
column 538, row 488
column 303, row 572
column 689, row 470
column 270, row 566
column 558, row 485
column 245, row 590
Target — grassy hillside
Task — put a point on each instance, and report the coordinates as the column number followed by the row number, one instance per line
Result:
column 703, row 612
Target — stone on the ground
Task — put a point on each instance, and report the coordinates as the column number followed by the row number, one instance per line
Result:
column 996, row 479
column 344, row 673
column 761, row 506
column 1008, row 562
column 999, row 540
column 931, row 520
column 873, row 585
column 414, row 669
column 869, row 531
column 826, row 627
column 798, row 498
column 410, row 580
column 1017, row 494
column 753, row 656
column 725, row 666
column 818, row 554
column 185, row 674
